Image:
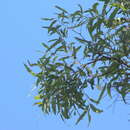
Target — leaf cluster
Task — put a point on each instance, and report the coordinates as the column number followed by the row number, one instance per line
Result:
column 89, row 50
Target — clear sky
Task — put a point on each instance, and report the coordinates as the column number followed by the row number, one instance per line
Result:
column 20, row 38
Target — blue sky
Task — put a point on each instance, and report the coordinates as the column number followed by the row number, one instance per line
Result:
column 20, row 38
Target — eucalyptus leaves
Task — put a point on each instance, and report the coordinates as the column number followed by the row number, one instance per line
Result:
column 88, row 51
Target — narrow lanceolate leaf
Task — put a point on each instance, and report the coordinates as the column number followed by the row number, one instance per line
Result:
column 113, row 14
column 119, row 5
column 34, row 64
column 94, row 109
column 47, row 19
column 37, row 97
column 81, row 9
column 53, row 22
column 82, row 116
column 101, row 94
column 45, row 45
column 61, row 9
column 77, row 25
column 38, row 103
column 90, row 26
column 95, row 8
column 54, row 106
column 109, row 91
column 94, row 101
column 62, row 117
column 64, row 58
column 82, row 40
column 54, row 44
column 52, row 40
column 89, row 117
column 77, row 49
column 74, row 52
column 29, row 70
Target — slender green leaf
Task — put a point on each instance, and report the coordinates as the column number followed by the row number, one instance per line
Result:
column 113, row 14
column 81, row 116
column 89, row 117
column 61, row 9
column 29, row 70
column 37, row 97
column 45, row 45
column 101, row 94
column 47, row 19
column 94, row 109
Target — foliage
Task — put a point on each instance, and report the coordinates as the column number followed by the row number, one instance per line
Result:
column 88, row 50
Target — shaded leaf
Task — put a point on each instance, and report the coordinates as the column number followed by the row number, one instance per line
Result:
column 101, row 94
column 61, row 9
column 82, row 116
column 29, row 70
column 45, row 45
column 94, row 109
